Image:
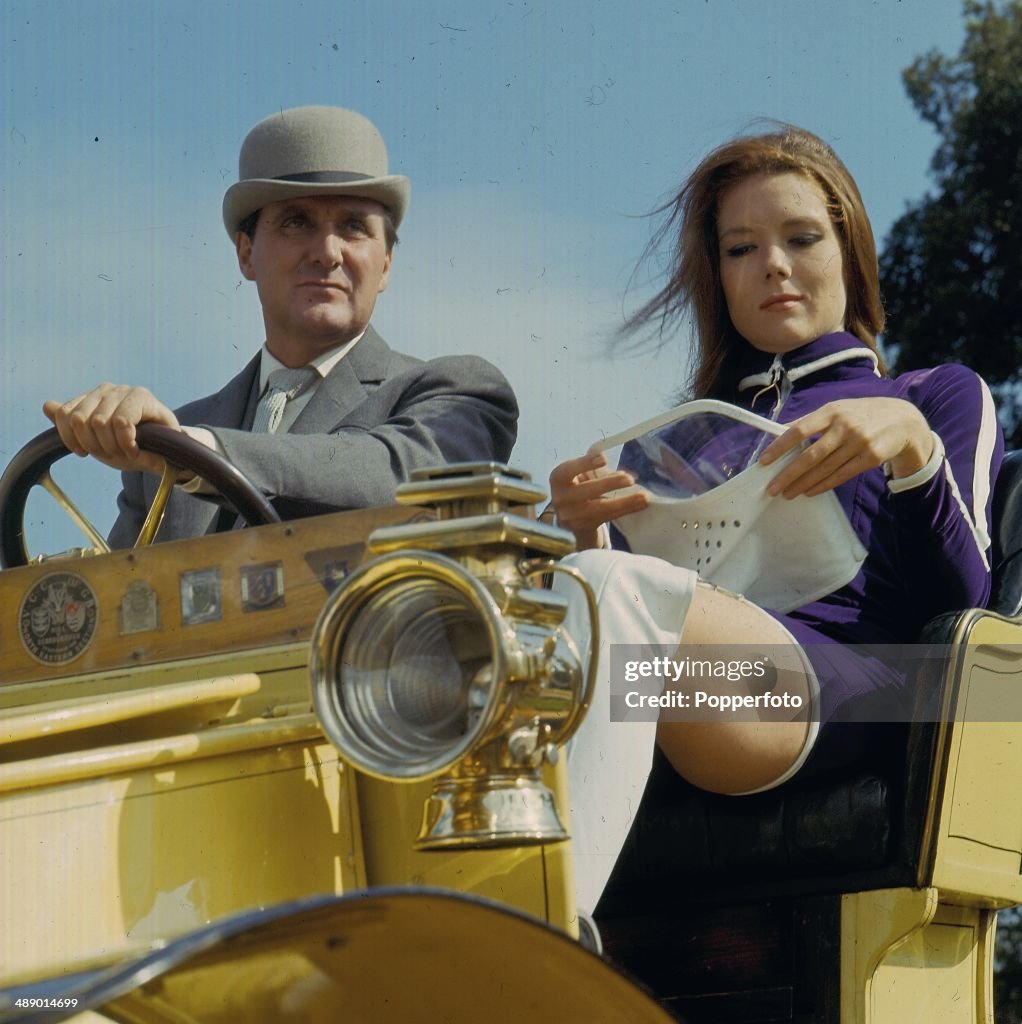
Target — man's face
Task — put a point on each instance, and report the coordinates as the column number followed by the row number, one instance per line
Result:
column 318, row 263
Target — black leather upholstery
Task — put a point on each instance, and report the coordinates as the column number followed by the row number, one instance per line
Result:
column 1006, row 592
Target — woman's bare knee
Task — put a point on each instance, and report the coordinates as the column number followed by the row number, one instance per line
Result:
column 722, row 741
column 733, row 758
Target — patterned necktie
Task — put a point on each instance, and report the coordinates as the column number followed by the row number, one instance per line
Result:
column 282, row 386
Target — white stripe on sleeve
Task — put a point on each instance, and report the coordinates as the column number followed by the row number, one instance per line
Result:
column 984, row 453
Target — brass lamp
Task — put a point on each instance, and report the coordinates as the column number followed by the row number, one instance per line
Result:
column 442, row 658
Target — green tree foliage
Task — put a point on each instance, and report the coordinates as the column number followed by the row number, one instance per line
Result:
column 951, row 268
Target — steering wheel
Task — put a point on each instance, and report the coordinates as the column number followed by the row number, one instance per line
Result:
column 31, row 467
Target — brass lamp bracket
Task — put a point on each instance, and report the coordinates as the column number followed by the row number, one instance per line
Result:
column 473, row 503
column 460, row 593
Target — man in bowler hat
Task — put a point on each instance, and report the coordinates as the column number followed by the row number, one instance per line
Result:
column 326, row 416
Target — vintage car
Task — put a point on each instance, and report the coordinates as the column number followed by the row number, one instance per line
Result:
column 309, row 771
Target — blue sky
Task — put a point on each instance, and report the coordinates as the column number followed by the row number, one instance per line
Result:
column 536, row 136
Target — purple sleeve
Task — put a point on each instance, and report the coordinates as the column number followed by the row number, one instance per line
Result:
column 944, row 520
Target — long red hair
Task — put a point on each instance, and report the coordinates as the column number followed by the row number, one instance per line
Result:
column 689, row 232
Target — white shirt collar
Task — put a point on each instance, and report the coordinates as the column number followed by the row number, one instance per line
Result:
column 798, row 372
column 322, row 364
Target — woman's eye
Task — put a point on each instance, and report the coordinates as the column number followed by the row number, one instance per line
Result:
column 739, row 250
column 805, row 240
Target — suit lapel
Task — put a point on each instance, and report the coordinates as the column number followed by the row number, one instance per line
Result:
column 235, row 403
column 232, row 406
column 344, row 388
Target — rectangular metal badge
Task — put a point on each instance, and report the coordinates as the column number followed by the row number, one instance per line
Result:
column 332, row 565
column 200, row 597
column 262, row 586
column 139, row 611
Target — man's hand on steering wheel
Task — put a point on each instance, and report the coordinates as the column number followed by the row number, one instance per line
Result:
column 174, row 447
column 102, row 423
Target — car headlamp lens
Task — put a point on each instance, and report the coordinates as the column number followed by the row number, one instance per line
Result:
column 403, row 662
column 410, row 660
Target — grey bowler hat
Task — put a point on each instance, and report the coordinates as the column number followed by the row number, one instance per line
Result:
column 310, row 151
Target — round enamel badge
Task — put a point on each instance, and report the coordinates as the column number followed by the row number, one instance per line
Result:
column 57, row 619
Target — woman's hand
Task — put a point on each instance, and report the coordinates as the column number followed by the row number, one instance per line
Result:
column 851, row 436
column 580, row 492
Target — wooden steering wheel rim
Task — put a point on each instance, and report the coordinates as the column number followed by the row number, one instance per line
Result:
column 30, row 464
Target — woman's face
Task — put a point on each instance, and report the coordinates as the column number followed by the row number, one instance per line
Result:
column 780, row 262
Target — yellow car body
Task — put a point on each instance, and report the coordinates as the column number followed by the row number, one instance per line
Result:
column 168, row 776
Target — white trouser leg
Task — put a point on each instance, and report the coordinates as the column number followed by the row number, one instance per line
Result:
column 642, row 600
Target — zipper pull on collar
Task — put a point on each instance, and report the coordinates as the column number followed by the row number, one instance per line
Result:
column 780, row 384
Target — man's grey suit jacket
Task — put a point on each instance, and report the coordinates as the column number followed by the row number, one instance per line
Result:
column 375, row 417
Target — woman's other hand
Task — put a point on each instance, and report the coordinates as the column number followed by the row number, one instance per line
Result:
column 847, row 438
column 586, row 493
